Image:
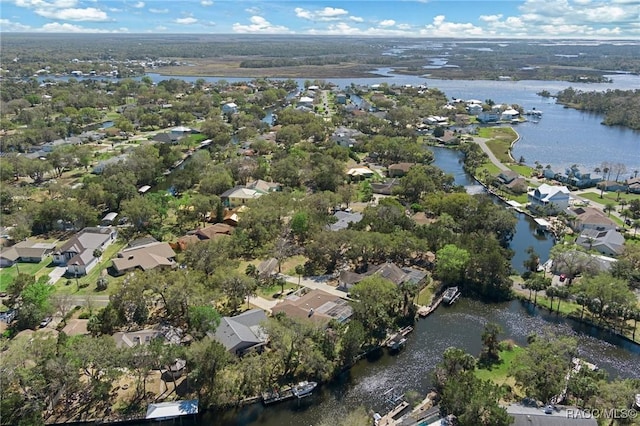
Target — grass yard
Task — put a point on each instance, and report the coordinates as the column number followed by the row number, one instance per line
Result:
column 425, row 296
column 499, row 374
column 62, row 288
column 525, row 171
column 609, row 197
column 500, row 149
column 7, row 275
column 273, row 291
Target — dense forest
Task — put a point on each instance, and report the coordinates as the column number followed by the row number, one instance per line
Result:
column 620, row 107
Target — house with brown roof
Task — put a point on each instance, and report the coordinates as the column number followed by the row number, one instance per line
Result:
column 30, row 251
column 144, row 257
column 399, row 169
column 590, row 218
column 211, row 232
column 315, row 305
column 78, row 254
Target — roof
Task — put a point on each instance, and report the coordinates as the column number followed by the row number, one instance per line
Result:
column 360, row 171
column 592, row 216
column 241, row 331
column 561, row 416
column 263, row 185
column 546, row 192
column 344, row 219
column 404, row 167
column 180, row 129
column 164, row 410
column 27, row 248
column 87, row 239
column 145, row 257
column 212, row 231
column 593, row 238
column 316, row 305
column 110, row 217
column 170, row 334
column 388, row 270
column 242, row 192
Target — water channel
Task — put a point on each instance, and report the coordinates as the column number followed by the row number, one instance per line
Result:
column 459, row 325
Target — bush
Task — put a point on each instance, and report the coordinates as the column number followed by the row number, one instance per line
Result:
column 84, row 315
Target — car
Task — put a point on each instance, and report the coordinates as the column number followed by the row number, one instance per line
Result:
column 562, row 277
column 45, row 322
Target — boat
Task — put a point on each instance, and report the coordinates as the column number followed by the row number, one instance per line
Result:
column 451, row 295
column 304, row 389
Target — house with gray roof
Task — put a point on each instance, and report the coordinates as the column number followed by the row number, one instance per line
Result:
column 387, row 270
column 77, row 254
column 549, row 416
column 30, row 251
column 609, row 242
column 549, row 198
column 343, row 219
column 242, row 332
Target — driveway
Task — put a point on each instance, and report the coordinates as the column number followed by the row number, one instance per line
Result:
column 56, row 274
column 318, row 283
column 482, row 142
column 263, row 303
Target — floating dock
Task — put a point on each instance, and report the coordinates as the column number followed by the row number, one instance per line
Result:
column 277, row 395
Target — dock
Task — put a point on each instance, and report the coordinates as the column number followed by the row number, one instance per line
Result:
column 397, row 340
column 395, row 400
column 425, row 311
column 277, row 395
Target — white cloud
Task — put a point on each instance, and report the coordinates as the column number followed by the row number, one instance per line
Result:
column 139, row 5
column 441, row 28
column 356, row 19
column 152, row 10
column 387, row 23
column 490, row 18
column 253, row 10
column 7, row 25
column 326, row 14
column 259, row 25
column 186, row 21
column 87, row 14
column 41, row 4
column 206, row 3
column 114, row 10
column 57, row 27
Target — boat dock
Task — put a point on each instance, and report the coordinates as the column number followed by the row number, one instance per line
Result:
column 397, row 340
column 277, row 395
column 395, row 400
column 451, row 295
column 425, row 311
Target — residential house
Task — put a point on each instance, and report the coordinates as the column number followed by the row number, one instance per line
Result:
column 609, row 243
column 341, row 98
column 512, row 180
column 576, row 177
column 239, row 196
column 29, row 251
column 633, row 185
column 509, row 114
column 99, row 168
column 550, row 198
column 264, row 186
column 345, row 137
column 144, row 257
column 388, row 270
column 242, row 332
column 436, row 120
column 315, row 305
column 178, row 133
column 78, row 254
column 612, row 186
column 343, row 219
column 169, row 335
column 305, row 101
column 590, row 218
column 474, row 109
column 524, row 415
column 488, row 116
column 360, row 173
column 229, row 108
column 449, row 138
column 384, row 188
column 399, row 169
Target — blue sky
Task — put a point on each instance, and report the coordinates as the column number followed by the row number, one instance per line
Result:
column 594, row 19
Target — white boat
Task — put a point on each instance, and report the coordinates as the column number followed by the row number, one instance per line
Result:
column 450, row 295
column 303, row 389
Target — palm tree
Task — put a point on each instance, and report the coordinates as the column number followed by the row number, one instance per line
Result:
column 299, row 272
column 608, row 208
column 552, row 292
column 562, row 293
column 582, row 300
column 636, row 225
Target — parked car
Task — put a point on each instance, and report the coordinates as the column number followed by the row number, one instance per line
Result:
column 45, row 322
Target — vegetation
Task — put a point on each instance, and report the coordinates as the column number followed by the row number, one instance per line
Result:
column 619, row 107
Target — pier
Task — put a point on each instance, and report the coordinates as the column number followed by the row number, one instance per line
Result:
column 277, row 395
column 425, row 311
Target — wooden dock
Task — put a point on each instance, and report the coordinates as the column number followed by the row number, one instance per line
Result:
column 395, row 340
column 425, row 311
column 277, row 395
column 388, row 419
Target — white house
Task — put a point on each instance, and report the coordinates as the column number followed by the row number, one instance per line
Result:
column 551, row 198
column 78, row 254
column 509, row 114
column 179, row 132
column 474, row 109
column 306, row 102
column 229, row 108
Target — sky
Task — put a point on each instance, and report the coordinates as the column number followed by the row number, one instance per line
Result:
column 591, row 19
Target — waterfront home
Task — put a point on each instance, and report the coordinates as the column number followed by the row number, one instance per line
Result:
column 144, row 257
column 178, row 133
column 509, row 114
column 29, row 251
column 474, row 108
column 609, row 243
column 550, row 199
column 79, row 253
column 360, row 173
column 264, row 186
column 168, row 334
column 582, row 218
column 633, row 185
column 239, row 196
column 341, row 98
column 512, row 181
column 315, row 305
column 388, row 270
column 488, row 117
column 305, row 101
column 242, row 332
column 524, row 415
column 612, row 186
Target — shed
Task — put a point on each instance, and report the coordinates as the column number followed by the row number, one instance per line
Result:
column 108, row 219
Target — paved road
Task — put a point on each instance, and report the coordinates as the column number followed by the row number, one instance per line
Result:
column 319, row 283
column 97, row 300
column 482, row 142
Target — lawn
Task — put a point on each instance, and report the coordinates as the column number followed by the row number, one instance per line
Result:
column 91, row 278
column 525, row 171
column 499, row 374
column 273, row 291
column 425, row 296
column 609, row 197
column 7, row 275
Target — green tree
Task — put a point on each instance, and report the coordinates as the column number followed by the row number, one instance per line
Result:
column 202, row 319
column 376, row 306
column 490, row 353
column 206, row 359
column 451, row 263
column 36, row 304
